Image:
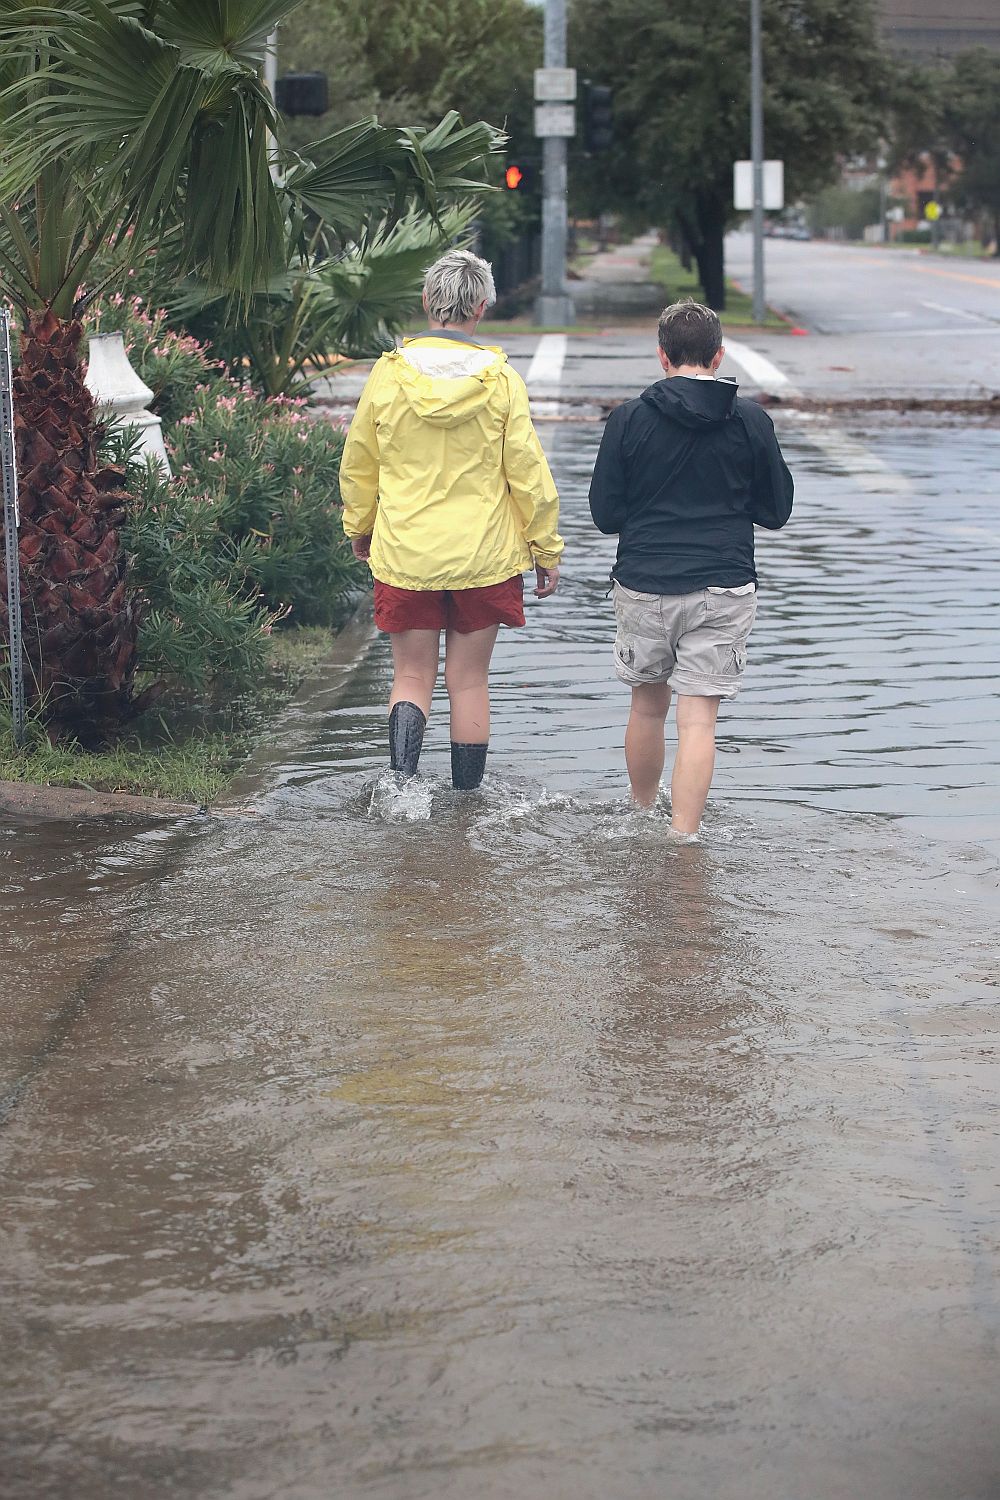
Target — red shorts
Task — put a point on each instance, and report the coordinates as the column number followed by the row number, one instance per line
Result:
column 464, row 610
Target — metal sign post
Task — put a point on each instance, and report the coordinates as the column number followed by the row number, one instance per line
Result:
column 12, row 520
column 757, row 157
column 555, row 87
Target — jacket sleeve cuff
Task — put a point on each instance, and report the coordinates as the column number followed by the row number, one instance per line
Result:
column 546, row 559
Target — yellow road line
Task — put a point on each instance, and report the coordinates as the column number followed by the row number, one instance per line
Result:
column 993, row 281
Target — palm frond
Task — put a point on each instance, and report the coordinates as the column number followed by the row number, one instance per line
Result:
column 209, row 32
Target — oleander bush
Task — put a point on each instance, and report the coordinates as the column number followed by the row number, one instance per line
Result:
column 270, row 470
column 246, row 536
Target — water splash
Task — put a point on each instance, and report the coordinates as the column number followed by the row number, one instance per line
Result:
column 396, row 801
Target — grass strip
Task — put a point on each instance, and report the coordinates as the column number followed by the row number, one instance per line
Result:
column 164, row 757
column 665, row 268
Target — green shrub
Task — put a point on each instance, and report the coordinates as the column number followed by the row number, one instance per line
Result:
column 204, row 620
column 270, row 471
column 848, row 209
column 248, row 533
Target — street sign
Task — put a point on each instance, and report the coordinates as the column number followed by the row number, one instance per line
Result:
column 555, row 120
column 555, row 83
column 774, row 185
column 932, row 211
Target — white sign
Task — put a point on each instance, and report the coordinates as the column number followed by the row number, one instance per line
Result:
column 555, row 119
column 555, row 83
column 774, row 184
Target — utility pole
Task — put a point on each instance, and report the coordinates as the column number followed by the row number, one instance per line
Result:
column 555, row 304
column 757, row 157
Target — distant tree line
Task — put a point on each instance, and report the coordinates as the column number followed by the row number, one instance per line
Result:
column 951, row 111
column 680, row 77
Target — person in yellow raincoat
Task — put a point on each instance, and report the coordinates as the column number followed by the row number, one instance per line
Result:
column 448, row 497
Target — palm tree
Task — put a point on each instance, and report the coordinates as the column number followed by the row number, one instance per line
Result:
column 131, row 129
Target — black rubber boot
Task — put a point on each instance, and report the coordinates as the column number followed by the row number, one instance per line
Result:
column 468, row 764
column 407, row 723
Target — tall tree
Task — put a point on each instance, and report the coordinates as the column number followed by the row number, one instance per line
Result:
column 680, row 76
column 417, row 62
column 412, row 62
column 132, row 127
column 970, row 110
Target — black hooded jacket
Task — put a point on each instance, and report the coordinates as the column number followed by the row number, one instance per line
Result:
column 684, row 473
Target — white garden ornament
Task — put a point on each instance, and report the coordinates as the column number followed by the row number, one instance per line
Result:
column 118, row 391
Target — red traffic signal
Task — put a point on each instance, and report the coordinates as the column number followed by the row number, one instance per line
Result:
column 521, row 176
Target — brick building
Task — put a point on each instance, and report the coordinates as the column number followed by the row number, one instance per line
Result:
column 940, row 28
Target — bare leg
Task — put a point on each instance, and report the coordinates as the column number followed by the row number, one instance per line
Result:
column 466, row 676
column 415, row 659
column 695, row 761
column 644, row 750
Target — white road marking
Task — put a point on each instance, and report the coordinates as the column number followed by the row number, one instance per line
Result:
column 847, row 453
column 955, row 312
column 760, row 369
column 858, row 460
column 547, row 361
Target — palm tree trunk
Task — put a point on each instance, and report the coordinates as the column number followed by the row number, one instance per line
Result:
column 80, row 618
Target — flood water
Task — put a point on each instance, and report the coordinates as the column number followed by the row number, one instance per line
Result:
column 396, row 1146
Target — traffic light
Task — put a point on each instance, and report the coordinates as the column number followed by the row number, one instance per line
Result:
column 302, row 94
column 520, row 177
column 598, row 117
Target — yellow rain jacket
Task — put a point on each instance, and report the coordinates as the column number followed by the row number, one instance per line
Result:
column 443, row 469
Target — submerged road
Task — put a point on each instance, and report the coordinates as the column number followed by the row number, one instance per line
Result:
column 397, row 1145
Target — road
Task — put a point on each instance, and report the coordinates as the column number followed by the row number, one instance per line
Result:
column 878, row 324
column 880, row 321
column 404, row 1146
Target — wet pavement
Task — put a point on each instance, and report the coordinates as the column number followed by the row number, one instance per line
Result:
column 401, row 1145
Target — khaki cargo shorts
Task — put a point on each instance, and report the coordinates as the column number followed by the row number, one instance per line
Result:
column 695, row 642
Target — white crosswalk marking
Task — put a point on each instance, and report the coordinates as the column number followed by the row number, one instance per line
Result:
column 760, row 369
column 547, row 361
column 955, row 312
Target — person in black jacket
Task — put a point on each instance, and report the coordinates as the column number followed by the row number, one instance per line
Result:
column 684, row 473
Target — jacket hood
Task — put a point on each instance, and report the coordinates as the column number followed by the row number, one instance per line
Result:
column 446, row 382
column 693, row 403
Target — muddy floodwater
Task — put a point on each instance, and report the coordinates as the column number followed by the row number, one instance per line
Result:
column 406, row 1146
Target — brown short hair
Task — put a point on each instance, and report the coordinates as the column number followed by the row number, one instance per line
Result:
column 689, row 333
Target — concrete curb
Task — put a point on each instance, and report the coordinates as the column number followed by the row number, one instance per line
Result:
column 31, row 800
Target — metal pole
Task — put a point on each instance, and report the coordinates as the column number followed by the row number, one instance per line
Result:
column 757, row 155
column 271, row 63
column 12, row 520
column 555, row 304
column 271, row 84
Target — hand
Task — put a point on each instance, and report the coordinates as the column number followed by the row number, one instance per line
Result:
column 548, row 580
column 361, row 546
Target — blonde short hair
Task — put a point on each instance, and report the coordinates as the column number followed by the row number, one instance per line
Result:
column 456, row 285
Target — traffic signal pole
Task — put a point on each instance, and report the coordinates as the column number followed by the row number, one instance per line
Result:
column 555, row 304
column 757, row 157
